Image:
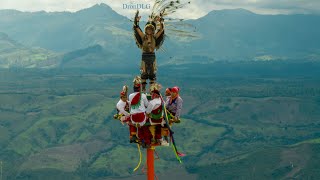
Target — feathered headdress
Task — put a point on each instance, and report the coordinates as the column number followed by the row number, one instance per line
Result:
column 124, row 91
column 163, row 8
column 175, row 27
column 150, row 24
column 136, row 101
column 155, row 87
column 137, row 81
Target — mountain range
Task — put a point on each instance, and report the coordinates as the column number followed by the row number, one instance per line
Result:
column 230, row 35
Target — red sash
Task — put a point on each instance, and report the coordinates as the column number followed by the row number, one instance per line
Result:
column 126, row 108
column 135, row 99
column 156, row 115
column 138, row 117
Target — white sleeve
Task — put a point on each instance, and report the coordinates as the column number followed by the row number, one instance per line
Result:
column 167, row 102
column 145, row 100
column 179, row 107
column 150, row 107
column 120, row 107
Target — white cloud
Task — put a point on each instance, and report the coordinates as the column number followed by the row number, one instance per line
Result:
column 196, row 9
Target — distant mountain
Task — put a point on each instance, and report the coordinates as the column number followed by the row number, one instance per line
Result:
column 13, row 54
column 231, row 35
column 241, row 34
column 66, row 31
column 93, row 56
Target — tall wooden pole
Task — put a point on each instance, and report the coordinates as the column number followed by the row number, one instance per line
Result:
column 150, row 163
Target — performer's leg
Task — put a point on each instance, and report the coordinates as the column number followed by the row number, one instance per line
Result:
column 152, row 81
column 143, row 67
column 152, row 75
column 155, row 68
column 152, row 130
column 141, row 134
column 158, row 132
column 144, row 75
column 144, row 84
column 133, row 134
column 144, row 136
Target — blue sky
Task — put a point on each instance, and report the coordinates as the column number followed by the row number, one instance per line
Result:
column 196, row 9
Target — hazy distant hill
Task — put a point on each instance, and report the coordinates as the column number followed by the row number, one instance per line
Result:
column 240, row 34
column 62, row 31
column 221, row 35
column 13, row 54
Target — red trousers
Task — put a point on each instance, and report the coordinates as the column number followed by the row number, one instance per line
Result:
column 132, row 130
column 144, row 134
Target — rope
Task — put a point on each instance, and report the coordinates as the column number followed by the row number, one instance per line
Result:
column 140, row 159
column 175, row 148
column 158, row 157
column 176, row 153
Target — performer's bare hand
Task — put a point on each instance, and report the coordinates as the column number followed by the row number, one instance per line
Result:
column 138, row 18
column 157, row 18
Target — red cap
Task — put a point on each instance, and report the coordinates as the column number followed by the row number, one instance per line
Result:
column 175, row 89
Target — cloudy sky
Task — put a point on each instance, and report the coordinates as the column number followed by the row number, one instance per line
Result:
column 196, row 9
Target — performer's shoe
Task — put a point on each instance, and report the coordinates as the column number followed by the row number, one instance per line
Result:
column 164, row 143
column 171, row 121
column 153, row 141
column 134, row 139
column 166, row 138
column 145, row 145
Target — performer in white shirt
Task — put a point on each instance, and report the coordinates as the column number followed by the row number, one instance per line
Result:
column 124, row 116
column 155, row 113
column 138, row 103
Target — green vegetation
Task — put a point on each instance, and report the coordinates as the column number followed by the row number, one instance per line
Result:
column 13, row 54
column 59, row 124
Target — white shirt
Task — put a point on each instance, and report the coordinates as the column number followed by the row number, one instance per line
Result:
column 143, row 103
column 121, row 107
column 153, row 104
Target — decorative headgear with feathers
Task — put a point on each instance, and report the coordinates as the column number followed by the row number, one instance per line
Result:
column 124, row 91
column 155, row 88
column 163, row 8
column 137, row 81
column 150, row 24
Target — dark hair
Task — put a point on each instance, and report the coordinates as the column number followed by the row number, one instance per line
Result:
column 136, row 89
column 156, row 92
